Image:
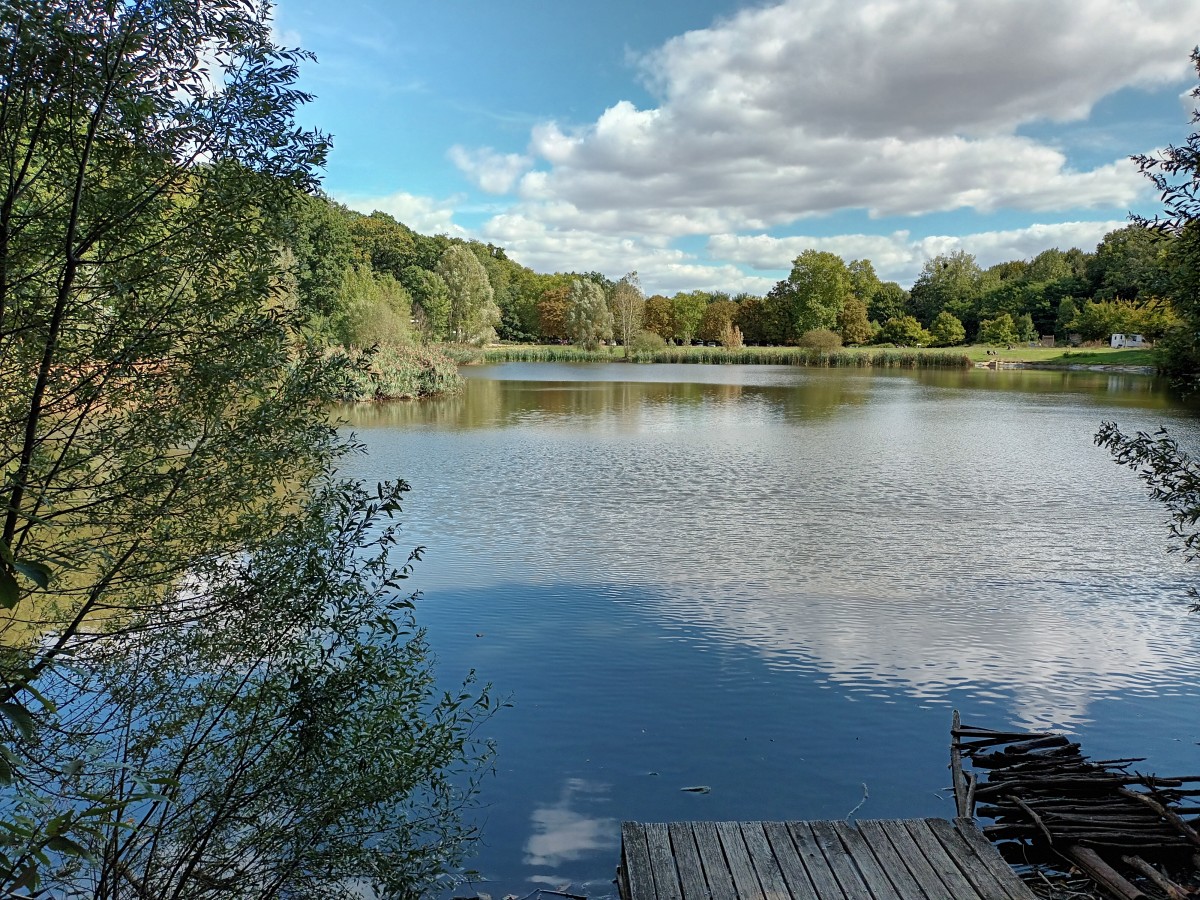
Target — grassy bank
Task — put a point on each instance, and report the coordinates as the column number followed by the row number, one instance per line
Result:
column 864, row 357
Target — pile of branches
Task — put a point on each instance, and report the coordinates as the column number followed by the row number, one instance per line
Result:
column 1051, row 806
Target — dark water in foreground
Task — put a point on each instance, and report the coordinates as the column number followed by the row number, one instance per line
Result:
column 777, row 583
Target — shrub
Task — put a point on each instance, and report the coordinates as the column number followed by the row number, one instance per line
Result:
column 393, row 373
column 821, row 339
column 647, row 342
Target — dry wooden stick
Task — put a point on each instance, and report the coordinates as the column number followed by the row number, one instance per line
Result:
column 1170, row 888
column 1104, row 874
column 1180, row 825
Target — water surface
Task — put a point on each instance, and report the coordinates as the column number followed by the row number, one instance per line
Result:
column 777, row 582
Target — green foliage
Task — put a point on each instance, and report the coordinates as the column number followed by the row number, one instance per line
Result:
column 473, row 314
column 1097, row 321
column 1025, row 328
column 588, row 318
column 812, row 295
column 1173, row 478
column 646, row 342
column 1129, row 265
column 998, row 331
column 398, row 372
column 687, row 312
column 820, row 339
column 323, row 249
column 167, row 417
column 371, row 309
column 853, row 324
column 946, row 330
column 432, row 296
column 292, row 746
column 952, row 281
column 905, row 331
column 628, row 308
column 890, row 301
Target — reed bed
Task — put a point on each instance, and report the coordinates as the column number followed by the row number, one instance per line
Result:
column 777, row 356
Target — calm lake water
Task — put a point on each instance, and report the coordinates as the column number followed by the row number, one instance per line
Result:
column 777, row 583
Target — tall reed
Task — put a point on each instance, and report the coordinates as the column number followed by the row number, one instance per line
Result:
column 778, row 356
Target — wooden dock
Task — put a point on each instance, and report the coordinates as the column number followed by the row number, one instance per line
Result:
column 913, row 859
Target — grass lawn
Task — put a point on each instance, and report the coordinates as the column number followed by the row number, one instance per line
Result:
column 1064, row 356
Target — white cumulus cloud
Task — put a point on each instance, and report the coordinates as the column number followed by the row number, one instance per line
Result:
column 423, row 214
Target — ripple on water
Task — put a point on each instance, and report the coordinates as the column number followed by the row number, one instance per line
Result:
column 732, row 580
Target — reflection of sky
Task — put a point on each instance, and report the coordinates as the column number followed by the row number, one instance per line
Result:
column 563, row 834
column 899, row 530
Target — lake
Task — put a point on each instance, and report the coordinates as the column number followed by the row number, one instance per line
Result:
column 776, row 583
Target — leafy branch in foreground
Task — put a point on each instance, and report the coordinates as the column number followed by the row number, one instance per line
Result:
column 291, row 742
column 210, row 684
column 1173, row 477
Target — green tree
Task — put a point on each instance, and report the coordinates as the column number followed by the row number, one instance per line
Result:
column 323, row 248
column 946, row 331
column 756, row 323
column 864, row 283
column 1000, row 330
column 628, row 309
column 950, row 281
column 167, row 429
column 890, row 301
column 432, row 296
column 473, row 314
column 905, row 331
column 589, row 320
column 853, row 324
column 1176, row 174
column 687, row 311
column 1067, row 311
column 371, row 310
column 1025, row 328
column 812, row 294
column 1130, row 264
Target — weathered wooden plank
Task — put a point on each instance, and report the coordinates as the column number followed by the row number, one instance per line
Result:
column 868, row 866
column 635, row 859
column 662, row 862
column 990, row 858
column 790, row 864
column 819, row 871
column 745, row 881
column 687, row 861
column 839, row 860
column 956, row 845
column 712, row 858
column 762, row 857
column 941, row 861
column 909, row 857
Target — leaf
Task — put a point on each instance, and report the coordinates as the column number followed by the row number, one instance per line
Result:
column 20, row 717
column 10, row 591
column 38, row 573
column 6, row 773
column 62, row 844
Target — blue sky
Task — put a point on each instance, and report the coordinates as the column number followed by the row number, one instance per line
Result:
column 705, row 144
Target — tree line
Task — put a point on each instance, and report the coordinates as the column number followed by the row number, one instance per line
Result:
column 370, row 280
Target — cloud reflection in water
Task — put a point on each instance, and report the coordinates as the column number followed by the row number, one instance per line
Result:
column 562, row 834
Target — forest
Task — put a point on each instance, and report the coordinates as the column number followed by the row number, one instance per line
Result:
column 373, row 282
